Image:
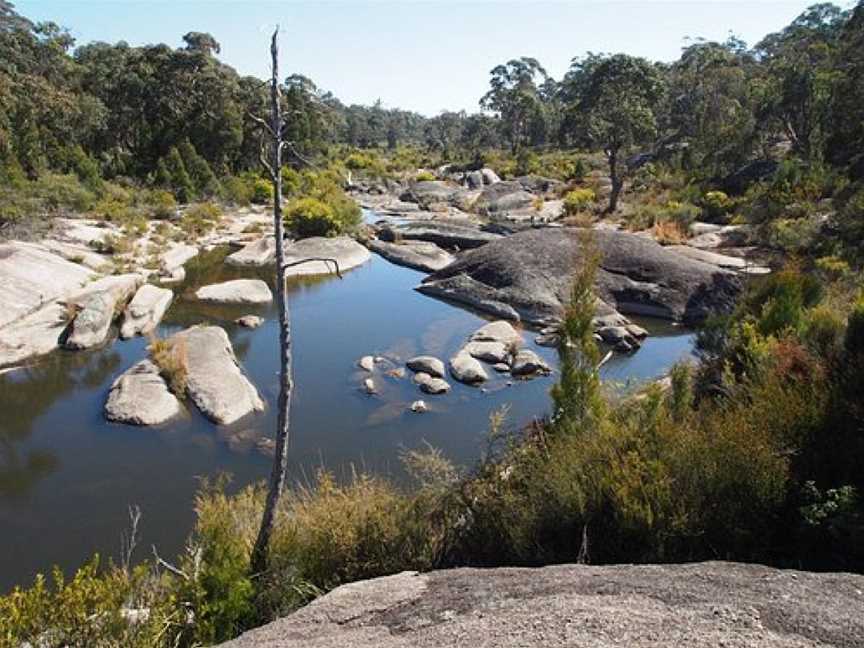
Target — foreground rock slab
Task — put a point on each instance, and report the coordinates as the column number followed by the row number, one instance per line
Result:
column 527, row 276
column 700, row 605
column 97, row 308
column 33, row 335
column 216, row 384
column 145, row 311
column 236, row 291
column 140, row 396
column 418, row 255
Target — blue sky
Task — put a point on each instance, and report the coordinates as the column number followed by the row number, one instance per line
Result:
column 421, row 55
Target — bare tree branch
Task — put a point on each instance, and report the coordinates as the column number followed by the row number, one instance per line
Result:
column 171, row 568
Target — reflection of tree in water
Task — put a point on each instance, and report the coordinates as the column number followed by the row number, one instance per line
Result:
column 26, row 394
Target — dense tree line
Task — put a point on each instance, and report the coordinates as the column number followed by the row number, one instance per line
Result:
column 719, row 106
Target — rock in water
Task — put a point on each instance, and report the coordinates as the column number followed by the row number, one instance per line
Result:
column 249, row 321
column 528, row 363
column 419, row 406
column 427, row 364
column 369, row 386
column 140, row 396
column 97, row 307
column 216, row 384
column 345, row 250
column 418, row 255
column 33, row 335
column 145, row 311
column 366, row 363
column 466, row 369
column 499, row 331
column 528, row 276
column 435, row 386
column 237, row 291
column 255, row 254
column 444, row 234
column 492, row 352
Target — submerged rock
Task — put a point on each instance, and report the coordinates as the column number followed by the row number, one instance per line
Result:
column 466, row 369
column 419, row 407
column 427, row 364
column 418, row 255
column 527, row 276
column 236, row 291
column 369, row 386
column 97, row 308
column 215, row 381
column 145, row 311
column 140, row 396
column 249, row 321
column 367, row 363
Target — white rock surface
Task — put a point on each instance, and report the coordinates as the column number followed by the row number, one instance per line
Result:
column 427, row 364
column 366, row 363
column 345, row 250
column 145, row 311
column 499, row 331
column 216, row 383
column 258, row 253
column 492, row 352
column 31, row 276
column 140, row 396
column 249, row 321
column 33, row 335
column 435, row 386
column 466, row 369
column 98, row 305
column 236, row 291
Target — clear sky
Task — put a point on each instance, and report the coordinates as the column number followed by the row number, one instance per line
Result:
column 426, row 56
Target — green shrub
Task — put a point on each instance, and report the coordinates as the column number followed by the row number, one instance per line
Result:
column 262, row 192
column 161, row 204
column 424, row 176
column 577, row 200
column 311, row 217
column 292, row 181
column 236, row 190
column 716, row 206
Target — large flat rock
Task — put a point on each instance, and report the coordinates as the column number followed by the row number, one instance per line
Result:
column 236, row 291
column 700, row 605
column 260, row 252
column 216, row 383
column 31, row 276
column 140, row 396
column 97, row 307
column 417, row 255
column 145, row 311
column 33, row 335
column 450, row 235
column 347, row 252
column 527, row 276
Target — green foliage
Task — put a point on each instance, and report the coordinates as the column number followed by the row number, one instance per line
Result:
column 716, row 206
column 311, row 217
column 200, row 219
column 261, row 192
column 321, row 207
column 172, row 174
column 161, row 204
column 424, row 176
column 202, row 177
column 577, row 200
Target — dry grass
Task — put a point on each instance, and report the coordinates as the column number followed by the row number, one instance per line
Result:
column 669, row 233
column 170, row 357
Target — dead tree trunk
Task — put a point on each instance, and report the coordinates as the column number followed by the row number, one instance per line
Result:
column 276, row 485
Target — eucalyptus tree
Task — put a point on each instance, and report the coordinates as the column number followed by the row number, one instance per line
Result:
column 801, row 76
column 515, row 97
column 617, row 106
column 846, row 141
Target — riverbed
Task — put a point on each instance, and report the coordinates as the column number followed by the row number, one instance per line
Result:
column 67, row 475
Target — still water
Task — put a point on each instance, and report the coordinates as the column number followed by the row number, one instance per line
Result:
column 67, row 475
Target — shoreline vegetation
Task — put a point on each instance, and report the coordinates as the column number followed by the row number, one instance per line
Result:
column 753, row 454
